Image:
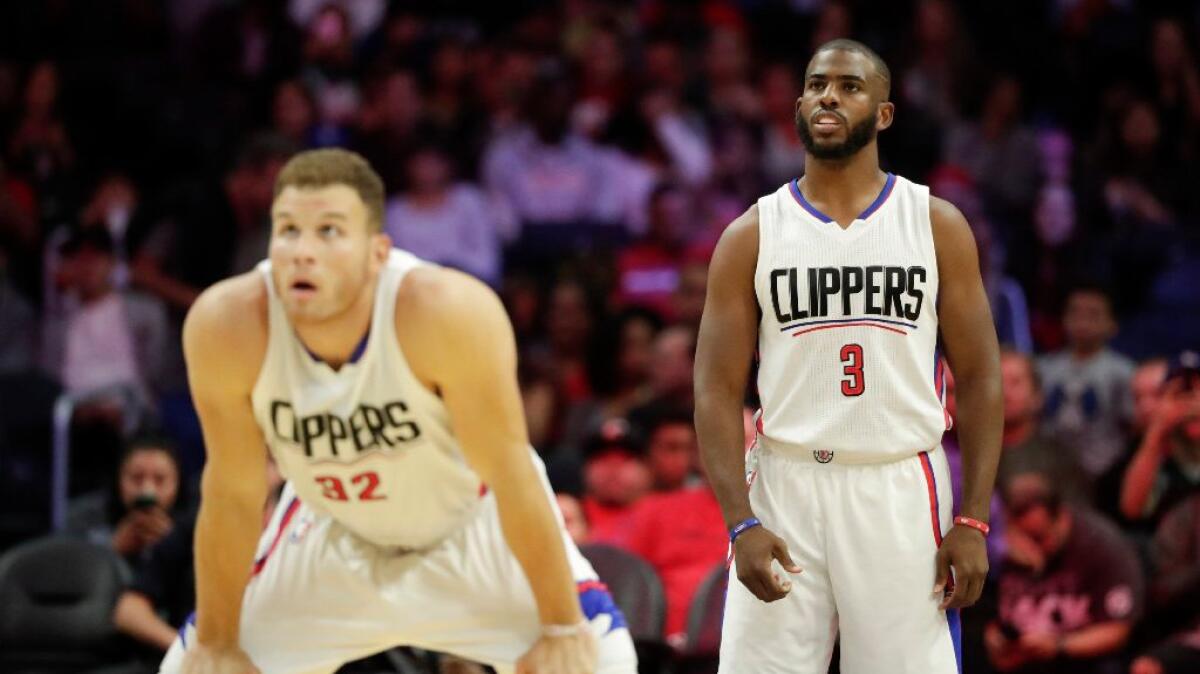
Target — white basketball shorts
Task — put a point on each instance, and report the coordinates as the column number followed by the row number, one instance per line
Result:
column 866, row 538
column 321, row 596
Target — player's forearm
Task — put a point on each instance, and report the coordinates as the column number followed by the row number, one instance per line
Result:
column 980, row 423
column 227, row 529
column 533, row 535
column 134, row 615
column 1141, row 475
column 719, row 430
column 1096, row 641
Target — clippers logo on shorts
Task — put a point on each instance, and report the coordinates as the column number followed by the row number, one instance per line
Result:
column 819, row 292
column 823, row 455
column 327, row 436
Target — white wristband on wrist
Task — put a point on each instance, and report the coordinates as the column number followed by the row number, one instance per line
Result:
column 556, row 631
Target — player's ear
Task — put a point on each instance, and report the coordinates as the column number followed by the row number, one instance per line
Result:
column 381, row 245
column 884, row 115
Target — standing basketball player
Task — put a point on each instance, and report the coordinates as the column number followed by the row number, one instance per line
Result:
column 415, row 512
column 842, row 280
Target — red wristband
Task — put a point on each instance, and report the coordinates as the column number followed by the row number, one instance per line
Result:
column 981, row 527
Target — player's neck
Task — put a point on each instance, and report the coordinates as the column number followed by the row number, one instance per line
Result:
column 843, row 185
column 334, row 340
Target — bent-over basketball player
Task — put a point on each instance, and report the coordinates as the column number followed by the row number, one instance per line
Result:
column 415, row 512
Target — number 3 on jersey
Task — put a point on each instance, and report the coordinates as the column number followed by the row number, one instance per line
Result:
column 852, row 359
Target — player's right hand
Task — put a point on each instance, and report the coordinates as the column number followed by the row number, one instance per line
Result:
column 753, row 552
column 201, row 659
column 567, row 654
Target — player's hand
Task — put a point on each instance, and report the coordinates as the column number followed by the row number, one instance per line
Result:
column 571, row 654
column 963, row 549
column 753, row 552
column 201, row 659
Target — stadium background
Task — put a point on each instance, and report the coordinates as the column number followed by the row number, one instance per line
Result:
column 581, row 157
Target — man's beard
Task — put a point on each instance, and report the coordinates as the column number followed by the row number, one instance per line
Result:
column 859, row 137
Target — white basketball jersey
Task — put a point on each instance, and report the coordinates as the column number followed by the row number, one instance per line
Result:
column 368, row 444
column 848, row 364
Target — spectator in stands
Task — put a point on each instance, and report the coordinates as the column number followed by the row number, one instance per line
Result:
column 1175, row 593
column 999, row 152
column 782, row 151
column 671, row 371
column 163, row 591
column 692, row 289
column 329, row 72
column 141, row 506
column 1146, row 391
column 682, row 533
column 392, row 124
column 615, row 478
column 1023, row 439
column 214, row 231
column 443, row 220
column 560, row 186
column 1087, row 404
column 672, row 452
column 1010, row 311
column 619, row 371
column 40, row 146
column 648, row 271
column 573, row 519
column 103, row 337
column 294, row 113
column 1069, row 608
column 1166, row 467
column 1176, row 83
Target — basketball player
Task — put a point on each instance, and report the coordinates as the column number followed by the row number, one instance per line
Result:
column 415, row 512
column 841, row 280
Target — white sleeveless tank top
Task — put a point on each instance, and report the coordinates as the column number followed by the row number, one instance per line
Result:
column 367, row 444
column 848, row 363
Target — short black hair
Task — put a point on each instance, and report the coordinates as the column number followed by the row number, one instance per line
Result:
column 846, row 44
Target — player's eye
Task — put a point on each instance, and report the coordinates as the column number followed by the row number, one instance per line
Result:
column 815, row 85
column 852, row 87
column 288, row 229
column 328, row 231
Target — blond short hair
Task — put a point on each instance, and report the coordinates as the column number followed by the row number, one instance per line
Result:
column 334, row 166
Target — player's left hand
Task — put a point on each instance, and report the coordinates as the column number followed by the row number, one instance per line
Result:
column 571, row 654
column 965, row 550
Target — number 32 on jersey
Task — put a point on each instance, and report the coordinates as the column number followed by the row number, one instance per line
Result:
column 361, row 487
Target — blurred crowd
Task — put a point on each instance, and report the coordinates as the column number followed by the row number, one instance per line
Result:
column 582, row 157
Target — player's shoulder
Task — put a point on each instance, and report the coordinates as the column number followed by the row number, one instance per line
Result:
column 952, row 233
column 229, row 320
column 945, row 215
column 742, row 233
column 432, row 293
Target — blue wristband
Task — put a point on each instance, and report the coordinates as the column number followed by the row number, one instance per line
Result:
column 748, row 523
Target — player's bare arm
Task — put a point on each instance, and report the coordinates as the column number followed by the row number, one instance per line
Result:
column 974, row 355
column 224, row 339
column 724, row 348
column 460, row 344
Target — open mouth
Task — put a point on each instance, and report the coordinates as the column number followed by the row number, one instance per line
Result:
column 826, row 121
column 303, row 288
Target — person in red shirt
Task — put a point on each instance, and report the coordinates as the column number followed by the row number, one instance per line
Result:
column 679, row 530
column 615, row 477
column 648, row 272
